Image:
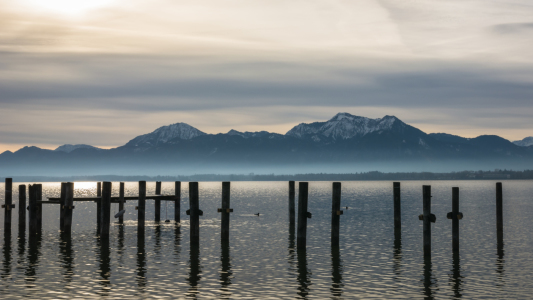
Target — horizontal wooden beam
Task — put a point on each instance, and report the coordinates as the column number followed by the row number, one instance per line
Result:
column 116, row 199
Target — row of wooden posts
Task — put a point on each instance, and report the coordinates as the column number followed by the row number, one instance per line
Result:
column 104, row 199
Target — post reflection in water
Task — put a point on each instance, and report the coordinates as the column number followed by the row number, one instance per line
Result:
column 336, row 272
column 34, row 252
column 291, row 257
column 177, row 241
column 226, row 274
column 6, row 250
column 141, row 262
column 67, row 257
column 429, row 280
column 500, row 261
column 157, row 235
column 21, row 247
column 120, row 244
column 104, row 267
column 304, row 275
column 397, row 254
column 456, row 279
column 194, row 270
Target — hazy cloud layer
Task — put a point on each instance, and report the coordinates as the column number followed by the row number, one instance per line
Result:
column 106, row 73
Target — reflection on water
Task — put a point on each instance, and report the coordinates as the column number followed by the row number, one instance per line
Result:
column 66, row 256
column 6, row 250
column 195, row 270
column 225, row 273
column 34, row 252
column 141, row 262
column 429, row 280
column 456, row 280
column 104, row 258
column 304, row 274
column 261, row 260
column 500, row 261
column 397, row 254
column 336, row 272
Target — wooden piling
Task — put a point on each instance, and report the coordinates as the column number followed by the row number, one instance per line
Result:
column 397, row 206
column 106, row 210
column 68, row 207
column 427, row 220
column 141, row 207
column 157, row 203
column 335, row 214
column 292, row 207
column 456, row 216
column 499, row 212
column 98, row 205
column 34, row 209
column 225, row 211
column 8, row 205
column 177, row 201
column 38, row 188
column 62, row 203
column 194, row 212
column 303, row 214
column 22, row 208
column 121, row 202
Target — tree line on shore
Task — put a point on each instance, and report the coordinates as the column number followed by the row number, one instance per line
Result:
column 372, row 175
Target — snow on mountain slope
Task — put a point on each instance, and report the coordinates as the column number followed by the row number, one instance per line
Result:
column 344, row 126
column 164, row 134
column 525, row 142
column 69, row 148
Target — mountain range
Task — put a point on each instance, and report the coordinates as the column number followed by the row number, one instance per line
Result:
column 345, row 143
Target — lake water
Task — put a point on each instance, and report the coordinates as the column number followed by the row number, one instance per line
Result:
column 261, row 262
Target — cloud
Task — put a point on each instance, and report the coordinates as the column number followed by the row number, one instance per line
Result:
column 514, row 28
column 124, row 70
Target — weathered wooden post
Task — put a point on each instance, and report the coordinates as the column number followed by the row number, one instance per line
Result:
column 38, row 188
column 34, row 209
column 177, row 201
column 106, row 210
column 68, row 207
column 292, row 207
column 194, row 212
column 397, row 206
column 336, row 213
column 499, row 213
column 8, row 205
column 303, row 214
column 62, row 203
column 428, row 218
column 22, row 208
column 98, row 205
column 141, row 207
column 225, row 211
column 157, row 202
column 121, row 202
column 455, row 216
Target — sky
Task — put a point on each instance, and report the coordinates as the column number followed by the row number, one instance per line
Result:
column 101, row 72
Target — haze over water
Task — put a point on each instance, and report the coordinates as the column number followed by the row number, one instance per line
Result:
column 261, row 260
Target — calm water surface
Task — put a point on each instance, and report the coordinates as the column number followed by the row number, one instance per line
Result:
column 261, row 261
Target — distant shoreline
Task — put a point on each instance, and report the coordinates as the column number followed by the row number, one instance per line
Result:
column 363, row 176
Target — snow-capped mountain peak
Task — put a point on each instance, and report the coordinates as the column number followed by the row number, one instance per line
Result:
column 525, row 142
column 165, row 134
column 343, row 126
